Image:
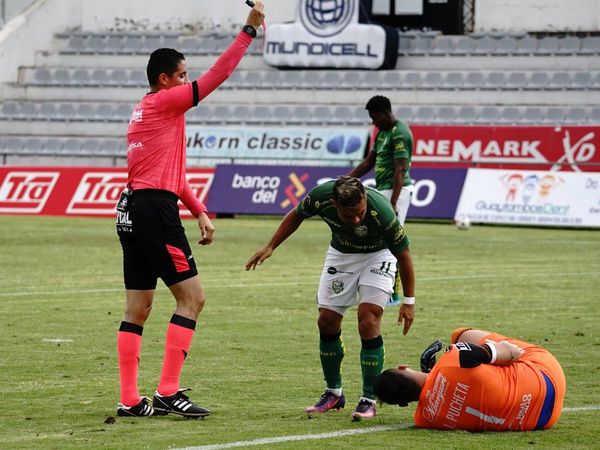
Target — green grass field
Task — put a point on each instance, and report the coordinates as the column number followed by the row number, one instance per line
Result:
column 254, row 361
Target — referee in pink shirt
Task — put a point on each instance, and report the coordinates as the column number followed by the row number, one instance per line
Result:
column 148, row 224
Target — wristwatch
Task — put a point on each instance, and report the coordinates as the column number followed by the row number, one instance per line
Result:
column 250, row 30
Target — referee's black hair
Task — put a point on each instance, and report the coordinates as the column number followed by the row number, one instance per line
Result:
column 163, row 60
column 379, row 103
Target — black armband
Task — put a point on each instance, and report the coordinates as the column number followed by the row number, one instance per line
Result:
column 195, row 93
column 250, row 30
column 472, row 355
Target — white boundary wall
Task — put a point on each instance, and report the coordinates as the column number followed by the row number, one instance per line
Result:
column 537, row 15
column 33, row 30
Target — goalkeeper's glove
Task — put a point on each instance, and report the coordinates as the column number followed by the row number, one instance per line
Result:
column 428, row 356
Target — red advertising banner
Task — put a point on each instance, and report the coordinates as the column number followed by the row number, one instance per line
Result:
column 76, row 191
column 572, row 149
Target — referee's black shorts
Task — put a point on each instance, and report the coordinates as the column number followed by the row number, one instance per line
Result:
column 153, row 241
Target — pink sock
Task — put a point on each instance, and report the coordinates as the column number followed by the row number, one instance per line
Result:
column 129, row 342
column 177, row 345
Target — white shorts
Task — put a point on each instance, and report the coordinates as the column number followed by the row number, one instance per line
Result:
column 403, row 201
column 344, row 273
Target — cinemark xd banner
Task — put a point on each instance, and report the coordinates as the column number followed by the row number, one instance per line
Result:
column 76, row 191
column 572, row 149
column 243, row 189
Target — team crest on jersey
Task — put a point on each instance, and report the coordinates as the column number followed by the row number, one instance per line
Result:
column 337, row 286
column 361, row 231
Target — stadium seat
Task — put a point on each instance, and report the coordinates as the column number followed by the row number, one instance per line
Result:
column 495, row 81
column 548, row 46
column 411, row 80
column 420, row 46
column 432, row 80
column 594, row 116
column 576, row 116
column 75, row 44
column 489, row 115
column 391, row 79
column 570, row 45
column 485, row 46
column 509, row 115
column 532, row 115
column 466, row 114
column 442, row 46
column 516, row 80
column 331, row 79
column 404, row 113
column 446, row 115
column 259, row 115
column 580, row 81
column 46, row 111
column 590, row 45
column 538, row 80
column 554, row 116
column 473, row 80
column 464, row 46
column 425, row 114
column 33, row 146
column 9, row 110
column 342, row 115
column 280, row 114
column 131, row 44
column 452, row 81
column 526, row 46
column 559, row 81
column 505, row 46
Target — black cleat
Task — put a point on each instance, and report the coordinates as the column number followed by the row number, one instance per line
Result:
column 178, row 403
column 142, row 409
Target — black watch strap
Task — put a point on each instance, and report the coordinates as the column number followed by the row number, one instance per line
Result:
column 250, row 30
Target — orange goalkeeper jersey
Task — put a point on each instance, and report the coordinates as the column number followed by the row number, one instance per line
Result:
column 463, row 393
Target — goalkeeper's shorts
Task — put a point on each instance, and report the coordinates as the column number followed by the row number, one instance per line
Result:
column 543, row 360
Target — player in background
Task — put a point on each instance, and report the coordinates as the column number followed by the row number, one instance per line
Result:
column 148, row 224
column 366, row 242
column 483, row 382
column 390, row 154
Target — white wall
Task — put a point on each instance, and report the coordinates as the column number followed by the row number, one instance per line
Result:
column 32, row 31
column 180, row 15
column 537, row 15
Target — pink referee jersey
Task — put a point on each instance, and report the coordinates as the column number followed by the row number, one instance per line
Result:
column 156, row 141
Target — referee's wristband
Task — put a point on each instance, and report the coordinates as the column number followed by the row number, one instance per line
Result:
column 408, row 301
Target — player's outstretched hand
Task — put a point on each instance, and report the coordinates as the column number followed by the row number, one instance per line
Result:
column 427, row 360
column 406, row 315
column 256, row 15
column 258, row 258
column 206, row 229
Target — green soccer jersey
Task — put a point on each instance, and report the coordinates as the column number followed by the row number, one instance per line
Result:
column 380, row 228
column 390, row 145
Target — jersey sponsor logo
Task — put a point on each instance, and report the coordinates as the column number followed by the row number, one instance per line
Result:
column 337, row 286
column 361, row 231
column 523, row 408
column 124, row 224
column 97, row 193
column 26, row 192
column 136, row 116
column 435, row 398
column 134, row 145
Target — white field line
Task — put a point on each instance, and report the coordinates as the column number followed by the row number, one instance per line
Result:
column 209, row 285
column 334, row 434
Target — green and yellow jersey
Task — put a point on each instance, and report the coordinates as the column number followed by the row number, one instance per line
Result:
column 390, row 145
column 379, row 229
